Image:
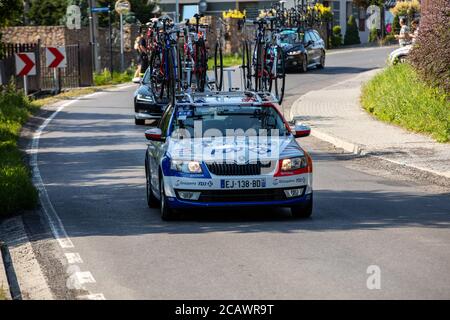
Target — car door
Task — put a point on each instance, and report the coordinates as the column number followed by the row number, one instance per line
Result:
column 156, row 149
column 319, row 45
column 309, row 47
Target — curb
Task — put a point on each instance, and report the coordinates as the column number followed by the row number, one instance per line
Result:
column 357, row 149
column 12, row 286
column 4, row 283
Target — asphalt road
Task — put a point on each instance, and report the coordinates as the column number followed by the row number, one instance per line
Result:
column 366, row 213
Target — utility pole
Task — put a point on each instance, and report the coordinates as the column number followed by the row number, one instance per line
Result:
column 92, row 36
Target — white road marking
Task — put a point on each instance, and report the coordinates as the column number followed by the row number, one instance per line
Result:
column 73, row 257
column 55, row 223
column 94, row 296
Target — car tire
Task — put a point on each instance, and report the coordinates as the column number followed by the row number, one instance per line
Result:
column 152, row 201
column 321, row 64
column 304, row 64
column 303, row 211
column 167, row 213
column 139, row 122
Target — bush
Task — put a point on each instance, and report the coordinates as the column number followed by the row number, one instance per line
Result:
column 16, row 189
column 373, row 35
column 104, row 78
column 431, row 53
column 389, row 38
column 352, row 33
column 398, row 96
column 336, row 37
column 396, row 25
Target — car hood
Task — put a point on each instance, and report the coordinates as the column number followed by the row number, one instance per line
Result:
column 239, row 149
column 292, row 47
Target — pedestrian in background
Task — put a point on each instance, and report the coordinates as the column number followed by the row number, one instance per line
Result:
column 403, row 37
column 415, row 30
column 140, row 45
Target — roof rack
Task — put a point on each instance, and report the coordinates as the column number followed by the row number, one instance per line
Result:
column 194, row 98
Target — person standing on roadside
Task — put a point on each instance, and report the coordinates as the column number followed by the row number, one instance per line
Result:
column 403, row 37
column 140, row 46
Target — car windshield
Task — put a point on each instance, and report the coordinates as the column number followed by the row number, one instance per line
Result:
column 146, row 78
column 288, row 37
column 229, row 120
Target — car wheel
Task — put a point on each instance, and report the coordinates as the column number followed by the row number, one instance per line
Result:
column 304, row 65
column 321, row 64
column 166, row 213
column 139, row 122
column 152, row 201
column 303, row 211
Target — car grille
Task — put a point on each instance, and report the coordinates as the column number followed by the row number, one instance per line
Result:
column 234, row 169
column 260, row 195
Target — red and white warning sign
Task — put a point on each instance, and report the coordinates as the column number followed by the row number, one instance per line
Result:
column 25, row 64
column 55, row 57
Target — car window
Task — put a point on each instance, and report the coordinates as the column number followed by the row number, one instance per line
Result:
column 243, row 120
column 308, row 37
column 317, row 35
column 165, row 120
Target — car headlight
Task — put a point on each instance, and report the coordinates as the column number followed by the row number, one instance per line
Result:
column 145, row 98
column 294, row 53
column 186, row 166
column 293, row 163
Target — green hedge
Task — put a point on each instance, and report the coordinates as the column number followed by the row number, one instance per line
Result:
column 16, row 189
column 397, row 95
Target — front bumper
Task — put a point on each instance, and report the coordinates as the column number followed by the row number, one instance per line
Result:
column 294, row 61
column 148, row 111
column 176, row 203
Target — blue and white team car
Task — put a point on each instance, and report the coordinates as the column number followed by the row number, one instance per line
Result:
column 224, row 149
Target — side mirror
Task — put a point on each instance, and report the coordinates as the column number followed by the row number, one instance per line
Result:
column 154, row 134
column 301, row 130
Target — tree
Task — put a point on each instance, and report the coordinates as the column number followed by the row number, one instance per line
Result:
column 141, row 11
column 351, row 33
column 47, row 12
column 10, row 12
column 431, row 53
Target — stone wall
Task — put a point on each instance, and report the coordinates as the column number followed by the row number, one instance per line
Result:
column 49, row 35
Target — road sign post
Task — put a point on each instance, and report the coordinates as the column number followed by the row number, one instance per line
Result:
column 25, row 66
column 122, row 7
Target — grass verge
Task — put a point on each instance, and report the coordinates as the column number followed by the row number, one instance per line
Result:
column 229, row 60
column 397, row 95
column 16, row 189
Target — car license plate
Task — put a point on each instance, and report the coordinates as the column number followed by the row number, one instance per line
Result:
column 243, row 183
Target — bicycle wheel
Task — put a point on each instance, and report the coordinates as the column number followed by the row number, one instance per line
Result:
column 170, row 79
column 156, row 78
column 200, row 65
column 278, row 74
column 258, row 65
column 246, row 74
column 218, row 66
